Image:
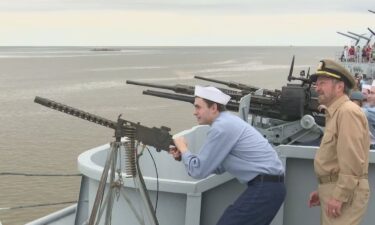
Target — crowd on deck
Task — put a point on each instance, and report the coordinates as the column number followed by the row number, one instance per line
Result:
column 358, row 54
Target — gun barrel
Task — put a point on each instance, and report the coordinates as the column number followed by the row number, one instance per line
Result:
column 373, row 33
column 346, row 35
column 360, row 36
column 75, row 112
column 184, row 98
column 212, row 80
column 256, row 108
column 179, row 88
column 230, row 84
column 245, row 89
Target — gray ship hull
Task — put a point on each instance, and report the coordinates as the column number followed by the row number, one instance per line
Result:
column 185, row 201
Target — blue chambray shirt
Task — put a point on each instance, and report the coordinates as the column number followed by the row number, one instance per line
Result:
column 233, row 146
column 370, row 114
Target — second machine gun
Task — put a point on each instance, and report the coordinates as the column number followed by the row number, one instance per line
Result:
column 280, row 115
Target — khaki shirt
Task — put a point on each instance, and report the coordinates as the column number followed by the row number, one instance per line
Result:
column 344, row 149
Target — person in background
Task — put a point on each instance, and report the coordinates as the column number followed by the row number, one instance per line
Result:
column 344, row 55
column 342, row 160
column 357, row 98
column 366, row 89
column 364, row 59
column 358, row 81
column 235, row 146
column 369, row 110
column 358, row 54
column 351, row 53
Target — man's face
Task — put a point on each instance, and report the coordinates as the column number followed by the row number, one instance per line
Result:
column 365, row 92
column 205, row 115
column 328, row 89
column 371, row 97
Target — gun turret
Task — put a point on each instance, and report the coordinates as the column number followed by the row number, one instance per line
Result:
column 156, row 137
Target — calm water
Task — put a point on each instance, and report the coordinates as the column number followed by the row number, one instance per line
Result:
column 35, row 139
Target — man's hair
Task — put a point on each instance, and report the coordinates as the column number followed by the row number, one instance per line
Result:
column 220, row 107
column 347, row 90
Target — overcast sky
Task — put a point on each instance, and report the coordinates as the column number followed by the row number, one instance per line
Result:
column 182, row 22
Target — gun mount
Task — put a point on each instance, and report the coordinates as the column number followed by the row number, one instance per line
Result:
column 156, row 137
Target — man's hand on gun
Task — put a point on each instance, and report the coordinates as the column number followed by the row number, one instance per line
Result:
column 175, row 153
column 179, row 148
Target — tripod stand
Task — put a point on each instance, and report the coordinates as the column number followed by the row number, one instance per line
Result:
column 132, row 170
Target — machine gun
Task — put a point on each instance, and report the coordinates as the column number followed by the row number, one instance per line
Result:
column 289, row 107
column 266, row 109
column 286, row 122
column 189, row 90
column 288, row 111
column 289, row 104
column 186, row 89
column 156, row 137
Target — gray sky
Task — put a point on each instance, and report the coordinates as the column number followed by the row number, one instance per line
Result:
column 182, row 22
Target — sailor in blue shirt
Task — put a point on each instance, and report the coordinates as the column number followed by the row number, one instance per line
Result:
column 234, row 146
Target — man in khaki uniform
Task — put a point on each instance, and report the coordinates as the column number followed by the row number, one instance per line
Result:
column 341, row 162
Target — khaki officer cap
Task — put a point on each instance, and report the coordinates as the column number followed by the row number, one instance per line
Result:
column 330, row 68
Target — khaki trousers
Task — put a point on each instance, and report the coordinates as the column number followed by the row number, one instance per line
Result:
column 352, row 211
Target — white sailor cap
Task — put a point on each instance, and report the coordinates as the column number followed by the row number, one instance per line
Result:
column 366, row 86
column 212, row 94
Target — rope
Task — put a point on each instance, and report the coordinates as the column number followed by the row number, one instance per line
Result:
column 38, row 205
column 39, row 175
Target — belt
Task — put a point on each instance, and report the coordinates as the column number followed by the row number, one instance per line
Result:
column 267, row 178
column 334, row 177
